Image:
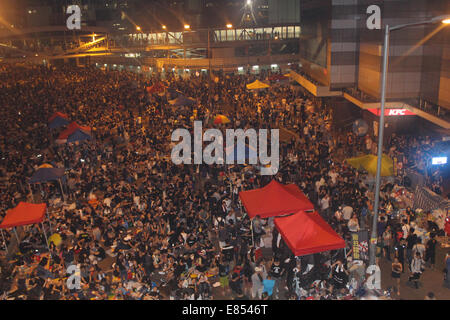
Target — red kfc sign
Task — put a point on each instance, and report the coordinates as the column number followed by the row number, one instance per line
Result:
column 393, row 112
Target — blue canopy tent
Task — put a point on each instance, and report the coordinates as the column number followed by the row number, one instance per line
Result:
column 79, row 135
column 48, row 174
column 58, row 122
column 182, row 101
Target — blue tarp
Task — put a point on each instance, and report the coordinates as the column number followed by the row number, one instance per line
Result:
column 79, row 135
column 58, row 122
column 47, row 174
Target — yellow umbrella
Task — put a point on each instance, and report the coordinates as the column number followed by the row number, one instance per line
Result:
column 369, row 163
column 55, row 238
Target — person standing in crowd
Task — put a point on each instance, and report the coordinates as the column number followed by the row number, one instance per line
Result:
column 417, row 268
column 276, row 272
column 447, row 271
column 400, row 252
column 411, row 240
column 430, row 251
column 387, row 242
column 258, row 278
column 397, row 270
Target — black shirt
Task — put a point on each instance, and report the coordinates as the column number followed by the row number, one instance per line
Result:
column 275, row 271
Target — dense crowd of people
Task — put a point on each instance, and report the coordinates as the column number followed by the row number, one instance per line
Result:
column 140, row 227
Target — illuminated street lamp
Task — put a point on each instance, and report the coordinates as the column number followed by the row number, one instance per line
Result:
column 187, row 27
column 229, row 26
column 388, row 29
column 138, row 28
column 164, row 27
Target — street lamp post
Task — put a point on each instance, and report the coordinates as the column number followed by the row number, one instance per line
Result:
column 388, row 30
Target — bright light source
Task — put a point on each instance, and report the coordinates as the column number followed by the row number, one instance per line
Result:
column 186, row 26
column 229, row 26
column 438, row 160
column 164, row 27
column 446, row 21
column 255, row 67
column 240, row 68
column 274, row 66
column 138, row 28
column 249, row 2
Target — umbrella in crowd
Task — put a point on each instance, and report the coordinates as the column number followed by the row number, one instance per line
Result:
column 221, row 119
column 55, row 238
column 369, row 163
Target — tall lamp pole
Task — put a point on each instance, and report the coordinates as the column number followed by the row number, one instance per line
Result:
column 388, row 30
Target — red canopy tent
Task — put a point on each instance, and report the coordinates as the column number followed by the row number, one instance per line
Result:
column 275, row 199
column 71, row 128
column 307, row 233
column 24, row 214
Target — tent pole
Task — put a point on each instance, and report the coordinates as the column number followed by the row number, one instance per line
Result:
column 62, row 191
column 45, row 235
column 32, row 195
column 48, row 218
column 4, row 241
column 251, row 228
column 40, row 188
column 17, row 237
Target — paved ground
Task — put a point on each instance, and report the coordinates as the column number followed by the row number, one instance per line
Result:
column 431, row 280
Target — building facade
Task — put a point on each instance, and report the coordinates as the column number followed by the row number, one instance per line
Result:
column 339, row 52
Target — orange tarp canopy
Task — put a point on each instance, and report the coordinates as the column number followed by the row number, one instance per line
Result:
column 24, row 214
column 275, row 199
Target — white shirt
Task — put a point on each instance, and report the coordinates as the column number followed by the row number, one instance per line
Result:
column 333, row 175
column 405, row 229
column 347, row 212
column 325, row 203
